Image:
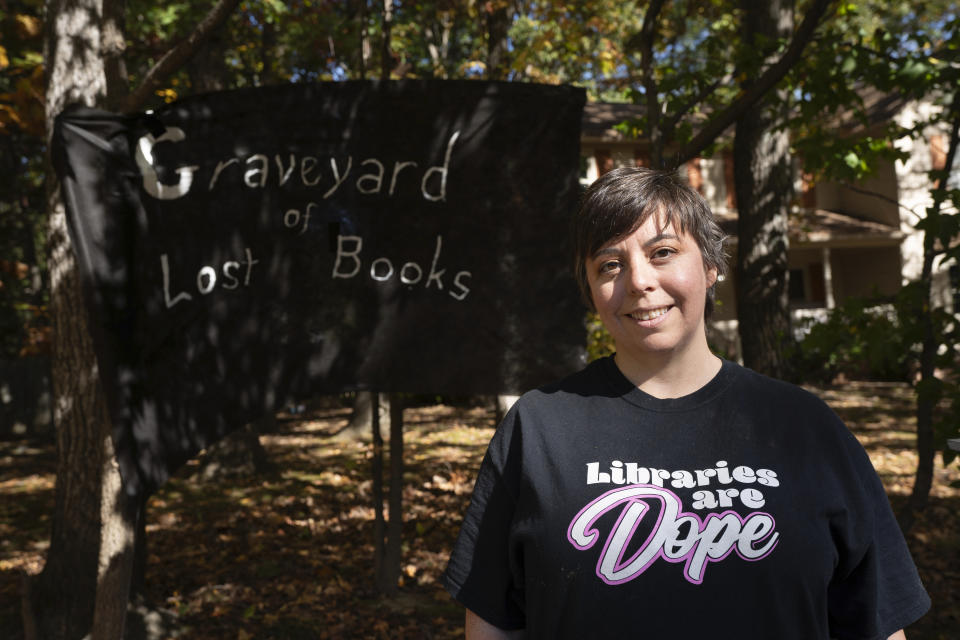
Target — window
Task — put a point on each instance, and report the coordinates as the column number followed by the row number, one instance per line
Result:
column 807, row 287
column 796, row 289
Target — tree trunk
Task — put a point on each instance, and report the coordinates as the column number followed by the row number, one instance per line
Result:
column 763, row 178
column 268, row 45
column 114, row 47
column 238, row 454
column 390, row 570
column 498, row 25
column 207, row 69
column 386, row 57
column 929, row 389
column 84, row 585
column 365, row 51
column 361, row 419
column 649, row 80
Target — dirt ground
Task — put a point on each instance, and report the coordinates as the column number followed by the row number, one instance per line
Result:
column 289, row 554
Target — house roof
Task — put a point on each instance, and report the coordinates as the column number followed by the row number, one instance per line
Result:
column 600, row 118
column 823, row 228
column 878, row 106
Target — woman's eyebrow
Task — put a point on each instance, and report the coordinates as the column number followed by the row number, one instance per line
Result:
column 659, row 237
column 606, row 251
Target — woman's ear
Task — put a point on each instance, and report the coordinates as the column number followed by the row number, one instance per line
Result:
column 711, row 277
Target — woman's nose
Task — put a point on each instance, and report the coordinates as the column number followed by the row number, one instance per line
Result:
column 642, row 278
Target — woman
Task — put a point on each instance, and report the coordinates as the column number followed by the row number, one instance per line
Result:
column 664, row 492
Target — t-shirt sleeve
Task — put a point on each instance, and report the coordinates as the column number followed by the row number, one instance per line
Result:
column 875, row 589
column 484, row 573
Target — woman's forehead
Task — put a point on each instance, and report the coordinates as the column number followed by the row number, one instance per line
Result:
column 653, row 228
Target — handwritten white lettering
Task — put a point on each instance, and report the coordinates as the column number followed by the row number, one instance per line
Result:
column 348, row 263
column 151, row 182
column 254, row 172
column 207, row 278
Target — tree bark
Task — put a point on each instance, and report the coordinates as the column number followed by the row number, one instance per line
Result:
column 114, row 45
column 364, row 40
column 268, row 45
column 84, row 587
column 498, row 25
column 763, row 179
column 85, row 581
column 238, row 454
column 771, row 75
column 207, row 69
column 386, row 57
column 437, row 35
column 928, row 393
column 654, row 130
column 179, row 55
column 361, row 419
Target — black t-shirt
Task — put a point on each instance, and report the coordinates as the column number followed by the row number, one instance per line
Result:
column 743, row 510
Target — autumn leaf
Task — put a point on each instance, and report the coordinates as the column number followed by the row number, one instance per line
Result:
column 28, row 26
column 218, row 559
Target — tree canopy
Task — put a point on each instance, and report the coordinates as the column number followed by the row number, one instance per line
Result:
column 693, row 66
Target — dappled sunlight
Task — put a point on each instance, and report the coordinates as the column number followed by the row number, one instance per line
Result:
column 290, row 553
column 881, row 414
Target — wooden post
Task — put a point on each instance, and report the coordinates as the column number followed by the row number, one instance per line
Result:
column 388, row 539
column 378, row 526
column 392, row 559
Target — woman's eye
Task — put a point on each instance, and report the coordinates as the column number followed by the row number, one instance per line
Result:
column 609, row 266
column 663, row 252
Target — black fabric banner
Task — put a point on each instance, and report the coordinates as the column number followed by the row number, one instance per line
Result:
column 247, row 248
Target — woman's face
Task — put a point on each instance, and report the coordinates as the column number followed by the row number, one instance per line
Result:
column 649, row 290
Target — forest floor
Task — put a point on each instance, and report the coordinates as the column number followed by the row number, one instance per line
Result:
column 289, row 554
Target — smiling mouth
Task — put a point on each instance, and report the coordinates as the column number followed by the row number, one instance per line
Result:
column 649, row 314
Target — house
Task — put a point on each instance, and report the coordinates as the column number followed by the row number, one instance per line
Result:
column 844, row 240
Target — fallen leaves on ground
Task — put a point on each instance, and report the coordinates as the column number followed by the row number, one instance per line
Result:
column 290, row 554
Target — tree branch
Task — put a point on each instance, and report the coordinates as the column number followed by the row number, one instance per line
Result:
column 885, row 198
column 954, row 111
column 767, row 80
column 176, row 57
column 650, row 83
column 694, row 101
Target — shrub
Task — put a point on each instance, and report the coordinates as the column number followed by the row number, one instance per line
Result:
column 861, row 340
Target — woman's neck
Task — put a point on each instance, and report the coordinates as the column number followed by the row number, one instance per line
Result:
column 668, row 376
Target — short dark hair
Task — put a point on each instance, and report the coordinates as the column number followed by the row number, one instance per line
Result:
column 620, row 201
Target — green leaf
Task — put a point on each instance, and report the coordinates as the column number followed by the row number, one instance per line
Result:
column 852, row 160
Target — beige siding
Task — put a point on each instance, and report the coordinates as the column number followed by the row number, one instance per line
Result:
column 863, row 272
column 874, row 199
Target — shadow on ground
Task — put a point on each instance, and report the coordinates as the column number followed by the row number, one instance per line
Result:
column 289, row 554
